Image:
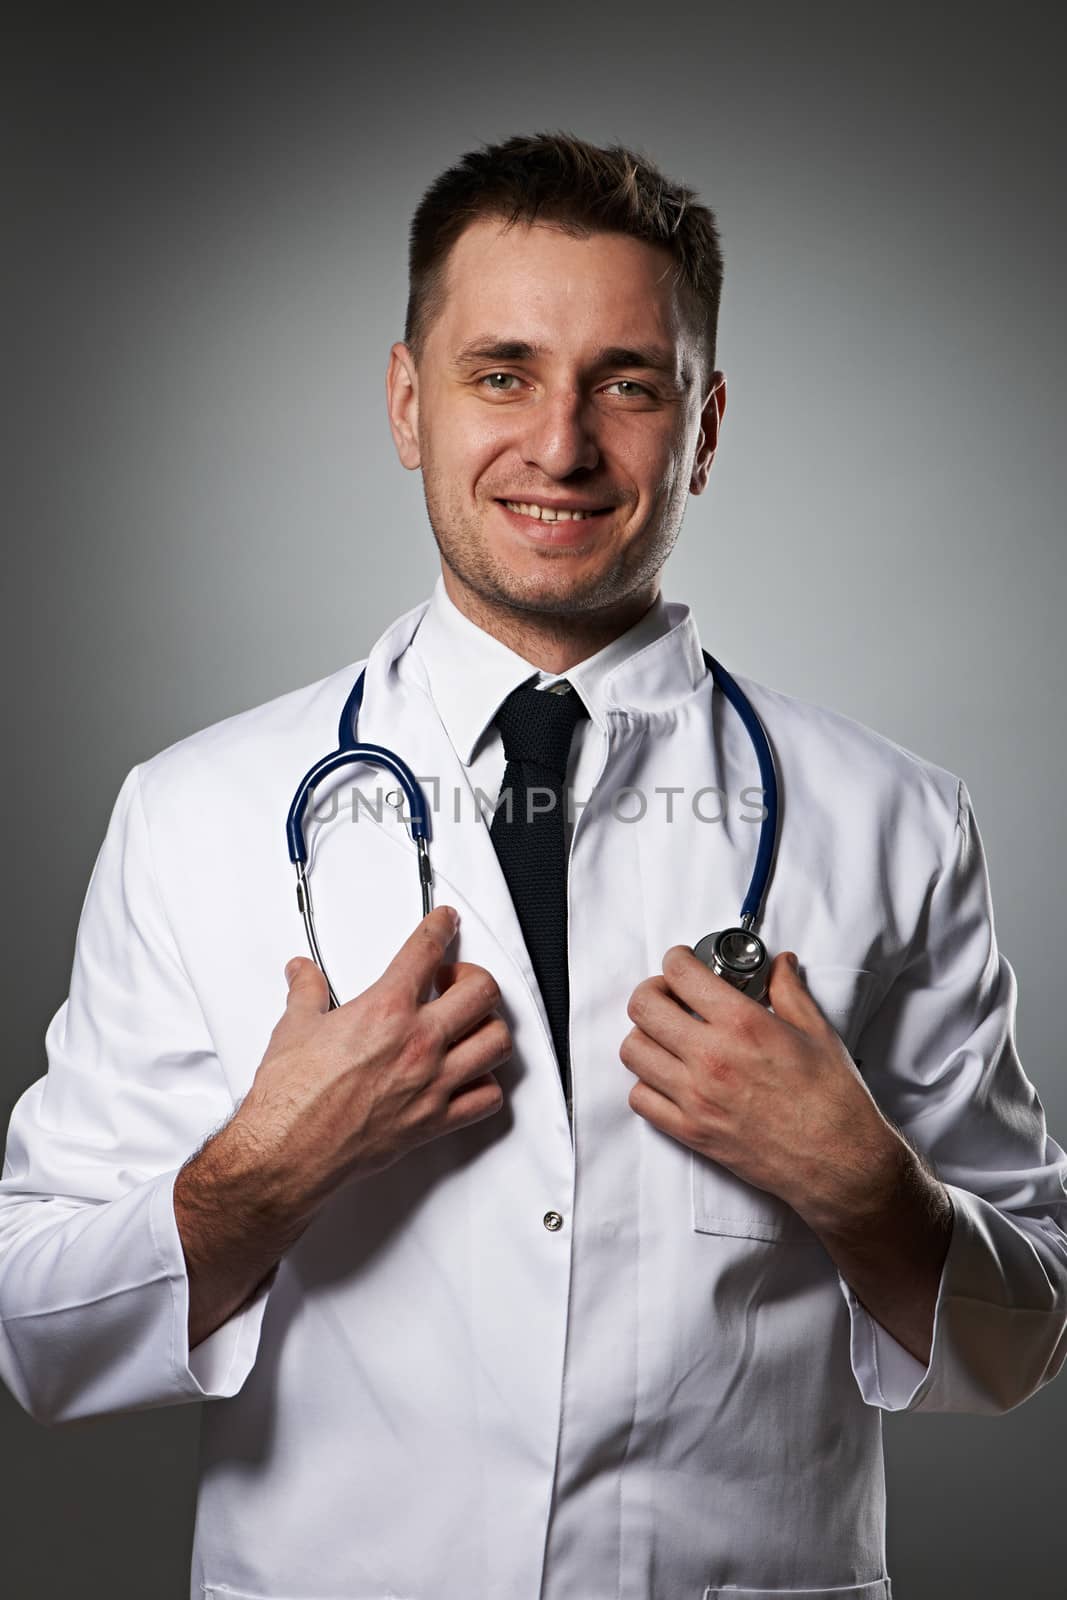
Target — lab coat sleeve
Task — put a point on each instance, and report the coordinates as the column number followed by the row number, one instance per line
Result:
column 94, row 1293
column 939, row 1056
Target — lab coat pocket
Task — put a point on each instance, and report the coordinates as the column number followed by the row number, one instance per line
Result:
column 724, row 1203
column 222, row 1591
column 878, row 1590
column 843, row 994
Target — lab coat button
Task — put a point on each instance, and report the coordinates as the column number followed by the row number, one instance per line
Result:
column 553, row 1221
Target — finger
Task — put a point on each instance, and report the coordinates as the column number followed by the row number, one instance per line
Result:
column 465, row 1002
column 473, row 1103
column 452, row 972
column 446, row 975
column 649, row 1061
column 309, row 993
column 420, row 955
column 479, row 1052
column 656, row 1011
column 701, row 989
column 790, row 996
column 660, row 1111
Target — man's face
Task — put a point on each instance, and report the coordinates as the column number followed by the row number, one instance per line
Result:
column 561, row 374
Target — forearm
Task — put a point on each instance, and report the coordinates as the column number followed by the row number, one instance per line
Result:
column 890, row 1246
column 234, row 1224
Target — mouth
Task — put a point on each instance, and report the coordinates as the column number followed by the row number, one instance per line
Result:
column 563, row 525
column 539, row 512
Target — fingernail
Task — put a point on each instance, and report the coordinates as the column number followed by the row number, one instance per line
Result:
column 290, row 969
column 454, row 915
column 793, row 962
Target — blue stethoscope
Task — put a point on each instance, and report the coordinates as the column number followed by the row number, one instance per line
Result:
column 736, row 954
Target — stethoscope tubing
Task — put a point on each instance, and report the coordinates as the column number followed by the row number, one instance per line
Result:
column 768, row 836
column 350, row 751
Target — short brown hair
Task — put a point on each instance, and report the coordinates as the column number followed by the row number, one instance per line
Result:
column 579, row 187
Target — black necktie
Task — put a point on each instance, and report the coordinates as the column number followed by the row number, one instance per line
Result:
column 529, row 835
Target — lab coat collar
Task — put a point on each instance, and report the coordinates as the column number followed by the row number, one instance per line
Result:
column 399, row 712
column 469, row 673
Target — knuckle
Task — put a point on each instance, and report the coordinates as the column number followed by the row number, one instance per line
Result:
column 390, row 1008
column 715, row 1067
column 429, row 1031
column 638, row 1003
column 674, row 958
column 477, row 1107
column 407, row 1056
column 748, row 1024
column 416, row 1049
column 486, row 987
column 493, row 1094
column 492, row 995
column 435, row 1103
column 501, row 1037
column 402, row 1041
column 486, row 1047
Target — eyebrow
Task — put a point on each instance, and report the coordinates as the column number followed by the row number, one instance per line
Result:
column 645, row 358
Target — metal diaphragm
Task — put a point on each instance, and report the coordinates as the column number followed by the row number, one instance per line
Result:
column 739, row 956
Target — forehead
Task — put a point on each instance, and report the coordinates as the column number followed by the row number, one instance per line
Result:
column 535, row 282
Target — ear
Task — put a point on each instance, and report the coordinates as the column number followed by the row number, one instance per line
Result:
column 402, row 400
column 710, row 421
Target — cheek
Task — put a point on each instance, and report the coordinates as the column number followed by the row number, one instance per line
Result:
column 654, row 459
column 674, row 484
column 460, row 439
column 481, row 435
column 476, row 450
column 659, row 488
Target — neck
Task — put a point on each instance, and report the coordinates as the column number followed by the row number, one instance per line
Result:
column 553, row 641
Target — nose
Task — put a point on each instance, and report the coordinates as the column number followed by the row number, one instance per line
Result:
column 560, row 435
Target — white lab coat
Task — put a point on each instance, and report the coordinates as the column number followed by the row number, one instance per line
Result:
column 435, row 1397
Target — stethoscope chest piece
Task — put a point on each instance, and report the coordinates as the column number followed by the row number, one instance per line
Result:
column 738, row 955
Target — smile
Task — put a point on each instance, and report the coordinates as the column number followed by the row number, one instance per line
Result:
column 549, row 513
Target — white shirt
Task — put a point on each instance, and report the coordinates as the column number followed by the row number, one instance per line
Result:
column 471, row 674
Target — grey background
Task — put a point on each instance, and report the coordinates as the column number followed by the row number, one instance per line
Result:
column 204, row 251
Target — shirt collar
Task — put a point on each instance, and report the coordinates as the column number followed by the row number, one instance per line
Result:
column 470, row 673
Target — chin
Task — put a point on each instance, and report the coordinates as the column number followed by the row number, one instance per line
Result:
column 550, row 587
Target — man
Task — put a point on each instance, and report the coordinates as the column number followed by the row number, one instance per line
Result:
column 547, row 1263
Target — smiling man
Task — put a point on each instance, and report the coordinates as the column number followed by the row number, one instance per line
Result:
column 546, row 1264
column 562, row 406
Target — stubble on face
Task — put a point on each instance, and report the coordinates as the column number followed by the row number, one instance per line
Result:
column 537, row 285
column 558, row 590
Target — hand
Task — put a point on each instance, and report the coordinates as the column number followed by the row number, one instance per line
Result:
column 348, row 1092
column 774, row 1096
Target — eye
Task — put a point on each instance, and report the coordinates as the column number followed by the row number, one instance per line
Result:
column 493, row 387
column 637, row 389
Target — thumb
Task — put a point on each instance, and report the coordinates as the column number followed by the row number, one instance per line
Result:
column 308, row 989
column 789, row 995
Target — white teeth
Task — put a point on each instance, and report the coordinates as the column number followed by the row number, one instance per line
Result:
column 545, row 515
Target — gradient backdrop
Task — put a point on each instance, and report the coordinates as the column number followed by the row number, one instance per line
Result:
column 204, row 262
